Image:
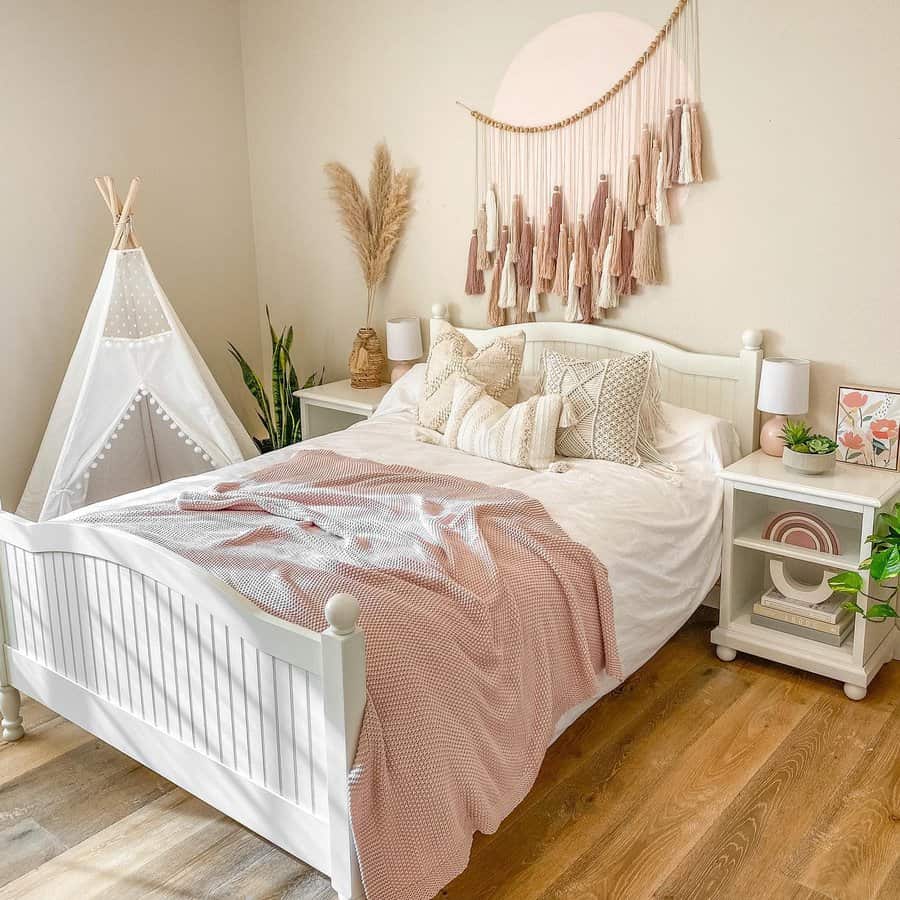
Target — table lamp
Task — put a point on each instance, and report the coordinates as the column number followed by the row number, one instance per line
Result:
column 404, row 344
column 784, row 391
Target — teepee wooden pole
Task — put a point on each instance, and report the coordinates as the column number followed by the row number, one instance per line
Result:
column 107, row 199
column 126, row 212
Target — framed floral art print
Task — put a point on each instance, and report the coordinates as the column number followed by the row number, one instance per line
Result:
column 867, row 427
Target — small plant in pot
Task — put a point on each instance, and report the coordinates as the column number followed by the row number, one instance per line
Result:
column 811, row 454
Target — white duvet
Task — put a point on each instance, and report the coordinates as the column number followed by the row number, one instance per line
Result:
column 660, row 539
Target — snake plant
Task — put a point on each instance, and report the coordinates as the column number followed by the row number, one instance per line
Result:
column 280, row 416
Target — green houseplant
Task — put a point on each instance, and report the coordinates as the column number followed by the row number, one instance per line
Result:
column 883, row 566
column 280, row 416
column 811, row 454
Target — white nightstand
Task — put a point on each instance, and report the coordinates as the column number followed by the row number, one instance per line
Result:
column 849, row 499
column 350, row 404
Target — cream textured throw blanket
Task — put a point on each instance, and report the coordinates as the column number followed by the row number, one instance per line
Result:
column 484, row 623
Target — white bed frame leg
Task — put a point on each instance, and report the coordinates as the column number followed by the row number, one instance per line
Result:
column 344, row 685
column 10, row 704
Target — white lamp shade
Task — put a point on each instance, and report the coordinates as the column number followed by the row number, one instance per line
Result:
column 404, row 338
column 784, row 386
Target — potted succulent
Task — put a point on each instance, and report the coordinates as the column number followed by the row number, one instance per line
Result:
column 811, row 454
column 883, row 565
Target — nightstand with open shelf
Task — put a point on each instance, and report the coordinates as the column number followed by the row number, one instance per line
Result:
column 848, row 499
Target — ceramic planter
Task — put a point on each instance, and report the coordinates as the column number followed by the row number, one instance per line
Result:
column 808, row 463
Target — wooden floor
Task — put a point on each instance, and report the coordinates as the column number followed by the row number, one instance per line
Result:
column 695, row 779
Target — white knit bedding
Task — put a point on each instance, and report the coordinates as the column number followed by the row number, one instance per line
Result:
column 659, row 539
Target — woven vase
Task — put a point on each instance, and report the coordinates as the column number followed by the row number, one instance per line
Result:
column 367, row 360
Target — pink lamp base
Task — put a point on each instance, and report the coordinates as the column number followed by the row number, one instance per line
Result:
column 770, row 440
column 399, row 369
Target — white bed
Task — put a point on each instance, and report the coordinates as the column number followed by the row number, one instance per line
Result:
column 259, row 717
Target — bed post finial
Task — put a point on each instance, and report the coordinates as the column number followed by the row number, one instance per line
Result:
column 752, row 339
column 342, row 613
column 439, row 315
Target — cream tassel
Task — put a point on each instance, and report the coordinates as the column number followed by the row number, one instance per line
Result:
column 685, row 168
column 483, row 259
column 625, row 283
column 608, row 217
column 582, row 254
column 668, row 148
column 598, row 207
column 618, row 228
column 492, row 237
column 525, row 255
column 508, row 282
column 584, row 300
column 644, row 168
column 655, row 157
column 573, row 310
column 495, row 314
column 556, row 218
column 675, row 159
column 515, row 227
column 662, row 198
column 474, row 275
column 606, row 294
column 696, row 144
column 561, row 279
column 631, row 208
column 548, row 256
column 646, row 266
column 534, row 303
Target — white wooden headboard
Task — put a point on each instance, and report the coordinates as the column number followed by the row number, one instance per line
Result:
column 724, row 386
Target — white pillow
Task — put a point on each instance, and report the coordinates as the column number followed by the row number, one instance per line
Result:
column 696, row 441
column 405, row 393
column 523, row 435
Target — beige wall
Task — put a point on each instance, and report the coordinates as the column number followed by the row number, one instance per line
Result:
column 796, row 231
column 125, row 88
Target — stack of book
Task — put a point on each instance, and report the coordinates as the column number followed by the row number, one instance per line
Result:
column 825, row 622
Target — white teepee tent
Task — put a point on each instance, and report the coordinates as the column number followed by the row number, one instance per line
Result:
column 138, row 405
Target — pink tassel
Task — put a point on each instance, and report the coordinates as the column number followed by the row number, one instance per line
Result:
column 474, row 275
column 595, row 220
column 646, row 267
column 696, row 144
column 618, row 228
column 484, row 260
column 668, row 148
column 515, row 227
column 561, row 279
column 556, row 218
column 582, row 255
column 626, row 282
column 644, row 168
column 631, row 208
column 675, row 158
column 526, row 245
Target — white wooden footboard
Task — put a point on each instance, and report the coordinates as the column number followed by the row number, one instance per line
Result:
column 254, row 715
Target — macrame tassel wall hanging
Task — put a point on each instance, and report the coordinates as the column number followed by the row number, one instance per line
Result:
column 578, row 207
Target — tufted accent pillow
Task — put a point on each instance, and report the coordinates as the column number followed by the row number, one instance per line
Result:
column 496, row 366
column 615, row 406
column 523, row 435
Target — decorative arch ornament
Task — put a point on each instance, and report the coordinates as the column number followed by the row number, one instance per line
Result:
column 575, row 208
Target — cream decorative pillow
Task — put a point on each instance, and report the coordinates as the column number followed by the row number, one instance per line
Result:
column 615, row 405
column 496, row 366
column 523, row 435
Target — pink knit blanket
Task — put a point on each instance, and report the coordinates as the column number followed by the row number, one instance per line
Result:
column 484, row 623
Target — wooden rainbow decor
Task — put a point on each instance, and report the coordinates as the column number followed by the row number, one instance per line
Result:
column 803, row 529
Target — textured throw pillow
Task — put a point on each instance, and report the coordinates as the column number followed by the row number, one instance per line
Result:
column 523, row 435
column 615, row 406
column 496, row 366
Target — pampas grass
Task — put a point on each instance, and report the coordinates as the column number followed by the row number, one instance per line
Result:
column 375, row 223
